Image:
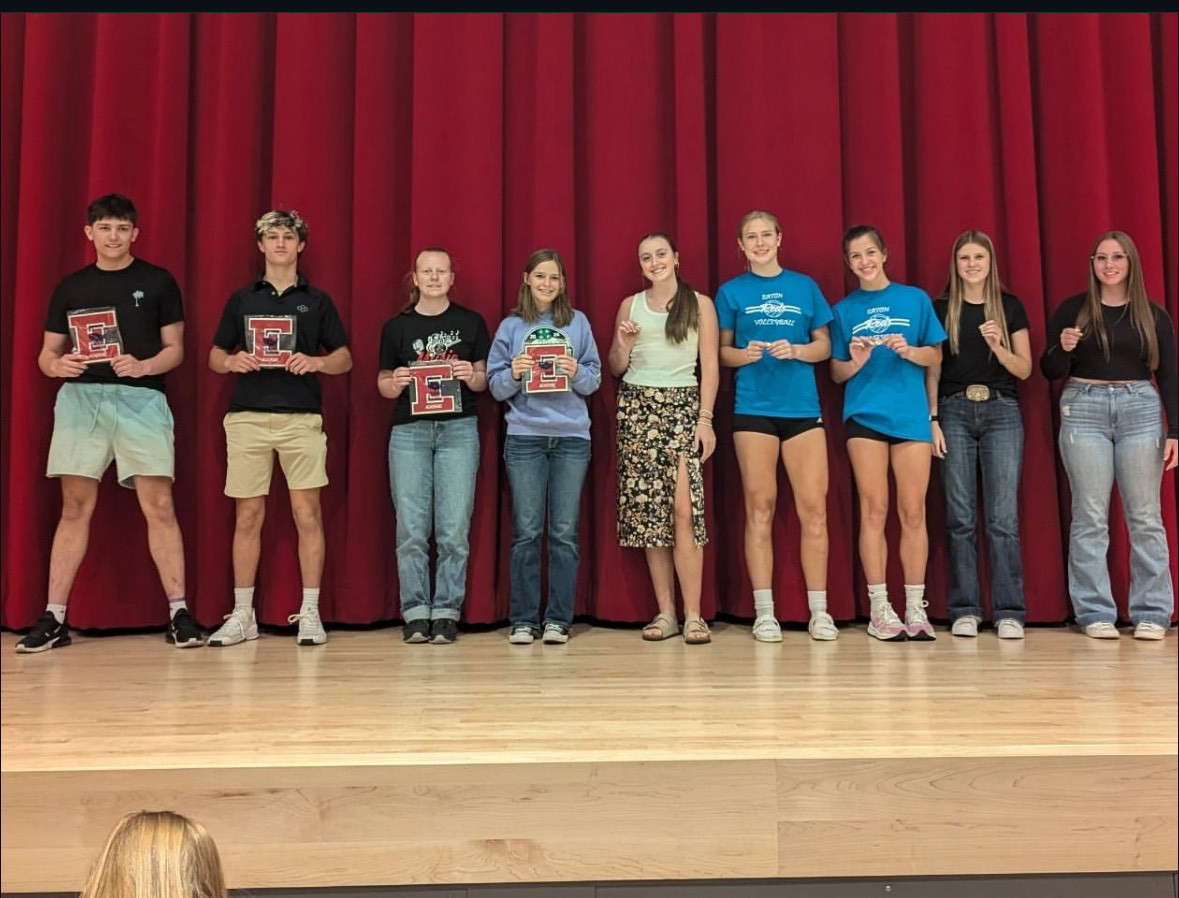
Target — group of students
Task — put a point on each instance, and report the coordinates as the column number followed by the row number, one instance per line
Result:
column 906, row 400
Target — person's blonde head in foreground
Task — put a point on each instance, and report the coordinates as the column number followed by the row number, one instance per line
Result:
column 157, row 854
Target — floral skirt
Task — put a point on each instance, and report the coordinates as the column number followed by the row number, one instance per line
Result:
column 656, row 427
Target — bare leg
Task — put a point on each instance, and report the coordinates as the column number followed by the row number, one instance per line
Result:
column 309, row 522
column 869, row 459
column 79, row 495
column 163, row 532
column 757, row 456
column 689, row 557
column 247, row 540
column 910, row 467
column 805, row 460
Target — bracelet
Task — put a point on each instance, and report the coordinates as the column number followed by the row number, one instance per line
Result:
column 704, row 421
column 933, row 419
column 705, row 413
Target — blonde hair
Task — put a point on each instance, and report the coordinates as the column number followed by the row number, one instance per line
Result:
column 992, row 292
column 157, row 854
column 1141, row 314
column 281, row 218
column 757, row 213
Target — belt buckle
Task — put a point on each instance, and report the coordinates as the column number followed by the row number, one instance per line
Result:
column 978, row 392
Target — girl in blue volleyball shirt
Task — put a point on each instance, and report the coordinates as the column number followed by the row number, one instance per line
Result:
column 773, row 331
column 883, row 338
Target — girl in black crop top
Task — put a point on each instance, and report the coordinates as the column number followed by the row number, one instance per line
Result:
column 1111, row 341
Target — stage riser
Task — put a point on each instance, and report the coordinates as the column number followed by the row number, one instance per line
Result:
column 594, row 822
column 1142, row 885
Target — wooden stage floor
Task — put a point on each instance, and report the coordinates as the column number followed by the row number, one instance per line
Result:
column 371, row 762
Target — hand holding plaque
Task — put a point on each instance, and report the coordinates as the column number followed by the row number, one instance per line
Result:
column 434, row 390
column 95, row 334
column 546, row 346
column 271, row 339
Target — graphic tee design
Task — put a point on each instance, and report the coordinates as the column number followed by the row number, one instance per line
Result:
column 95, row 333
column 546, row 344
column 271, row 339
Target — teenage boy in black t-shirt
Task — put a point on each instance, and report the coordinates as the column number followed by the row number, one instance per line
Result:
column 113, row 329
column 270, row 334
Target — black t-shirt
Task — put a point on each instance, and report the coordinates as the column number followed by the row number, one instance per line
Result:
column 1127, row 356
column 974, row 362
column 144, row 298
column 410, row 337
column 316, row 324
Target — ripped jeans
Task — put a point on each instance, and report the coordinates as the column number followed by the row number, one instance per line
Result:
column 1108, row 433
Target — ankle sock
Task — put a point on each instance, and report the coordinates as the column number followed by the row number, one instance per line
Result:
column 816, row 600
column 763, row 602
column 243, row 598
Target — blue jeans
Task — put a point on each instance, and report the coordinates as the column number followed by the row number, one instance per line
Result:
column 986, row 436
column 1108, row 433
column 538, row 467
column 432, row 468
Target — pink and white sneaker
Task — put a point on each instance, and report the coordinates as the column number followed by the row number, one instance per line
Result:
column 886, row 626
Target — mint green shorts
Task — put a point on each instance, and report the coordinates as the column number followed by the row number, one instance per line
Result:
column 94, row 424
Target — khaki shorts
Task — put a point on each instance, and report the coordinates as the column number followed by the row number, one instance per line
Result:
column 252, row 438
column 94, row 424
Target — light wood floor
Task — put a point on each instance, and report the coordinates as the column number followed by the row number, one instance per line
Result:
column 369, row 762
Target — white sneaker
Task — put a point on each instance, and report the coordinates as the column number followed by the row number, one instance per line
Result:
column 1103, row 629
column 240, row 625
column 885, row 625
column 311, row 630
column 521, row 635
column 965, row 626
column 1009, row 628
column 822, row 627
column 555, row 634
column 1147, row 630
column 767, row 629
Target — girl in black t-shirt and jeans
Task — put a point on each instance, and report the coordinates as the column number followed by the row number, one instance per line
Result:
column 1111, row 341
column 977, row 428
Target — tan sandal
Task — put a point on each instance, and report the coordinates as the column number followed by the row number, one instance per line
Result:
column 663, row 626
column 696, row 631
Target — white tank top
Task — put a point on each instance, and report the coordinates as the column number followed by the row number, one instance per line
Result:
column 655, row 361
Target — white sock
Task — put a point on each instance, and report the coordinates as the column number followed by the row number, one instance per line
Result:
column 878, row 595
column 816, row 600
column 175, row 605
column 914, row 595
column 58, row 611
column 310, row 599
column 243, row 598
column 763, row 602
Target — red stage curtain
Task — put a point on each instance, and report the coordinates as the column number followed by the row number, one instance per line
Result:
column 493, row 135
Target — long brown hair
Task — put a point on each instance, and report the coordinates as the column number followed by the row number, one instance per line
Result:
column 683, row 311
column 992, row 291
column 157, row 854
column 526, row 305
column 1141, row 313
column 415, row 293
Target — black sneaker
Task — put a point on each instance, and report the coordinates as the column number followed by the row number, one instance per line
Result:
column 443, row 630
column 46, row 634
column 183, row 631
column 416, row 631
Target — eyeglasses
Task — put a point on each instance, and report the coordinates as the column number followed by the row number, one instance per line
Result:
column 1116, row 258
